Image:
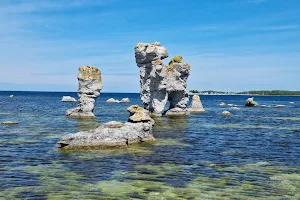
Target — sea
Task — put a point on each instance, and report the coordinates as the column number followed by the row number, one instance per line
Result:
column 253, row 154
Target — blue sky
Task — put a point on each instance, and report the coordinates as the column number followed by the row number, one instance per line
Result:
column 232, row 45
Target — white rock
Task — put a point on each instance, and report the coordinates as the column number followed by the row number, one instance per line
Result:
column 112, row 100
column 226, row 113
column 235, row 108
column 279, row 106
column 125, row 100
column 292, row 102
column 68, row 99
column 222, row 104
column 11, row 96
column 251, row 103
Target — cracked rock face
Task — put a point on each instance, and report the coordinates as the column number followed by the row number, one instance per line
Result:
column 152, row 74
column 90, row 84
column 113, row 134
column 177, row 74
column 196, row 105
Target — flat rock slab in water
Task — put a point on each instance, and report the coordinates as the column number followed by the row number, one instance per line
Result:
column 9, row 123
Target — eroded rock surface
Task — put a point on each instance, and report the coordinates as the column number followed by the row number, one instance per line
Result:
column 113, row 134
column 177, row 74
column 251, row 103
column 196, row 105
column 152, row 74
column 90, row 84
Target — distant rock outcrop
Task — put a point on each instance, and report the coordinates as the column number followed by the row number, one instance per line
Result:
column 152, row 73
column 125, row 100
column 222, row 104
column 226, row 113
column 68, row 99
column 251, row 103
column 113, row 134
column 112, row 100
column 90, row 84
column 177, row 74
column 196, row 105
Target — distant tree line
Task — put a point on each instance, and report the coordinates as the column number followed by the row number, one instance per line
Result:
column 271, row 92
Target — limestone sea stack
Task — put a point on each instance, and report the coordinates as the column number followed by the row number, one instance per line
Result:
column 113, row 134
column 251, row 103
column 152, row 74
column 196, row 105
column 90, row 84
column 177, row 74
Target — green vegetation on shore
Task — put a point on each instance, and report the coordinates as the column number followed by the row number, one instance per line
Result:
column 252, row 92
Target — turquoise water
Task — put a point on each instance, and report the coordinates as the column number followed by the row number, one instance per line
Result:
column 254, row 154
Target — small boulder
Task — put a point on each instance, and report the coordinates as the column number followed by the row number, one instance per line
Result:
column 112, row 100
column 222, row 104
column 68, row 99
column 9, row 123
column 279, row 106
column 292, row 102
column 226, row 113
column 139, row 114
column 11, row 96
column 235, row 108
column 125, row 100
column 231, row 105
column 251, row 103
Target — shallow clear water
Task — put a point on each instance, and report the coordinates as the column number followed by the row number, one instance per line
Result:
column 254, row 154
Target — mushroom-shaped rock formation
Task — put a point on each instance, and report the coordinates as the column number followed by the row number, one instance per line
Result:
column 251, row 103
column 196, row 105
column 90, row 84
column 152, row 73
column 113, row 134
column 177, row 74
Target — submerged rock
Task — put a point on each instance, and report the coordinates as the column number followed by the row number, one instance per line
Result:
column 113, row 134
column 9, row 123
column 251, row 103
column 226, row 113
column 90, row 84
column 235, row 108
column 279, row 106
column 176, row 82
column 291, row 102
column 152, row 73
column 196, row 105
column 222, row 104
column 68, row 99
column 11, row 96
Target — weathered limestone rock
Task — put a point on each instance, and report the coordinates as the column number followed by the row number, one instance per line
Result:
column 251, row 103
column 152, row 74
column 222, row 104
column 68, row 99
column 226, row 113
column 138, row 114
column 234, row 108
column 125, row 100
column 177, row 74
column 90, row 84
column 196, row 105
column 112, row 100
column 113, row 134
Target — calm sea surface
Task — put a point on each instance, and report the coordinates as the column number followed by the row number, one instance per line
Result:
column 254, row 154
